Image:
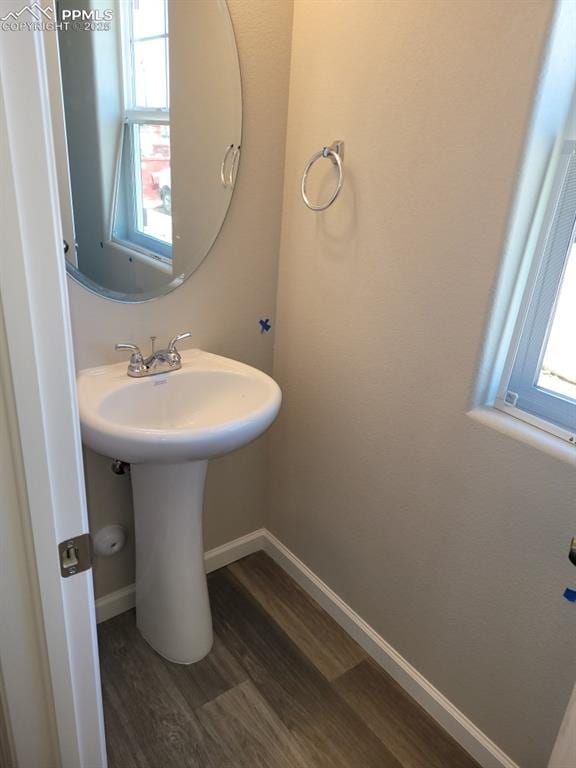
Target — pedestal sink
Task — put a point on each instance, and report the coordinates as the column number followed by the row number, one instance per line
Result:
column 167, row 427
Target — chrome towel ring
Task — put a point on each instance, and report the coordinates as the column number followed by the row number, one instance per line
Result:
column 228, row 176
column 336, row 153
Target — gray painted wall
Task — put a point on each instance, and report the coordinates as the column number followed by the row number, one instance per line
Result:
column 446, row 536
column 449, row 538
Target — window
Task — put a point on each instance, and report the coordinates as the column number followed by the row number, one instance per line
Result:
column 142, row 215
column 540, row 385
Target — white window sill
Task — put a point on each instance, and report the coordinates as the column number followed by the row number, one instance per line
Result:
column 156, row 262
column 525, row 433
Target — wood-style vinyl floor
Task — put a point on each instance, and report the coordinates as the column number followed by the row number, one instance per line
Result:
column 284, row 687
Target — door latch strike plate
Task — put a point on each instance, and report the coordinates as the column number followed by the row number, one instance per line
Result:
column 75, row 555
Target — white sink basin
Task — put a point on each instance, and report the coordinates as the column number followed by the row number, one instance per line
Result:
column 167, row 427
column 211, row 406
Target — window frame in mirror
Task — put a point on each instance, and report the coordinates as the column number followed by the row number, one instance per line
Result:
column 124, row 217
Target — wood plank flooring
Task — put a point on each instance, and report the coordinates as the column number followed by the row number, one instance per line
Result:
column 283, row 687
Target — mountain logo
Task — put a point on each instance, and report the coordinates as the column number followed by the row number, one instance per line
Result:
column 34, row 9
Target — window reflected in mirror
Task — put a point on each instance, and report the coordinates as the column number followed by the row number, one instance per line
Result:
column 142, row 212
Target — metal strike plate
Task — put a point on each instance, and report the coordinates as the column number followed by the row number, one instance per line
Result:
column 572, row 553
column 75, row 555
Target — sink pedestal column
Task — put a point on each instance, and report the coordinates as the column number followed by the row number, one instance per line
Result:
column 172, row 607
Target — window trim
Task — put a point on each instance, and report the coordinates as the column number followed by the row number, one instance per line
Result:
column 518, row 388
column 524, row 432
column 553, row 114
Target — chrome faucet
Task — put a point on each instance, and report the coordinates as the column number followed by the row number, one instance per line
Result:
column 162, row 361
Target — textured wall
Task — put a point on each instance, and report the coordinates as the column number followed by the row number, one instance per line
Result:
column 446, row 536
column 449, row 538
column 222, row 301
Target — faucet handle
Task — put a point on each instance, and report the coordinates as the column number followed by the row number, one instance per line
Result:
column 136, row 353
column 137, row 366
column 176, row 339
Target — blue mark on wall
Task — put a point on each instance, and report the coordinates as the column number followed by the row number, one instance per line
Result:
column 265, row 325
column 570, row 594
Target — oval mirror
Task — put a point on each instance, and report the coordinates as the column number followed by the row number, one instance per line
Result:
column 147, row 114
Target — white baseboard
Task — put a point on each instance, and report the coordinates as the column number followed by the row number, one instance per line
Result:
column 463, row 730
column 115, row 603
column 124, row 599
column 235, row 550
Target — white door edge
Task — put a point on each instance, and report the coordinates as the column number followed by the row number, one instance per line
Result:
column 37, row 320
column 565, row 746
